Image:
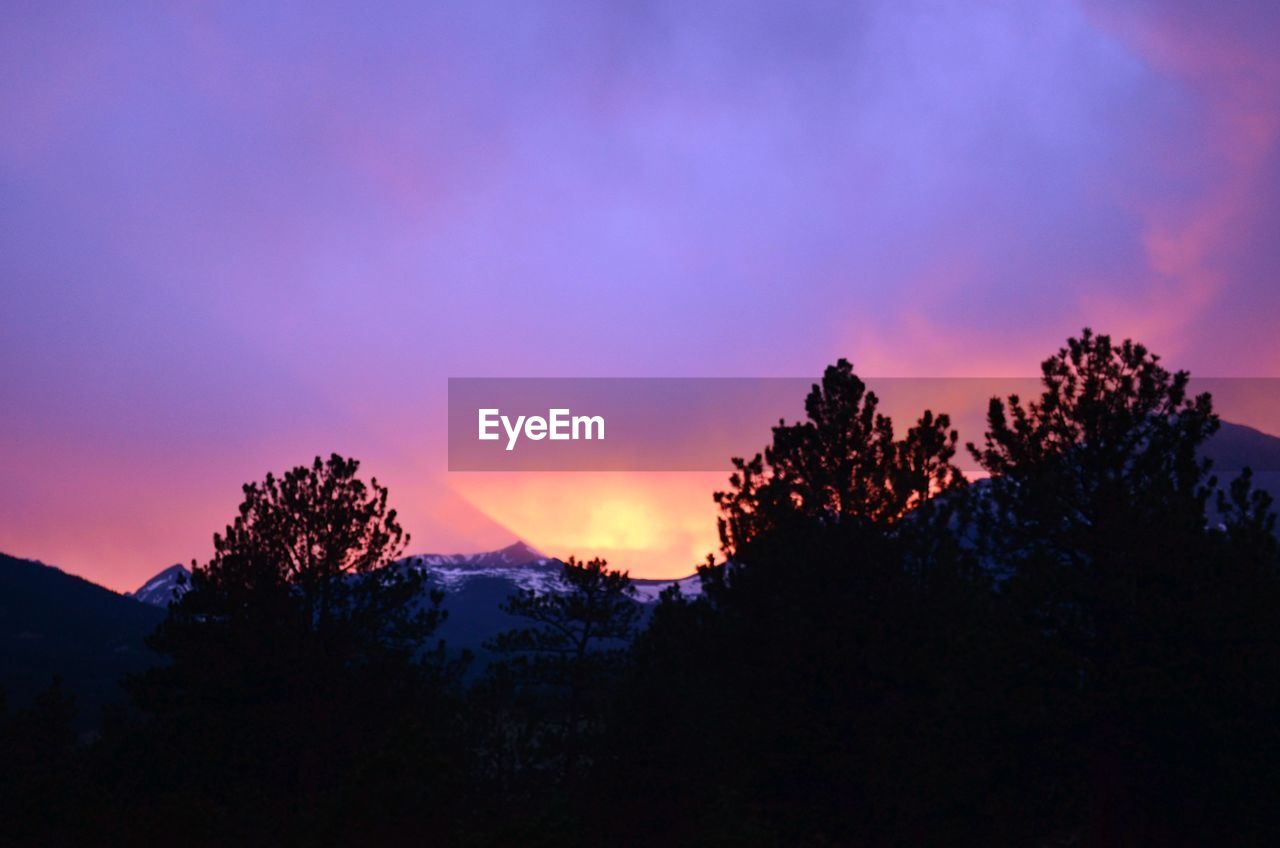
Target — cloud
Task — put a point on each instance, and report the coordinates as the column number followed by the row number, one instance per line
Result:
column 232, row 230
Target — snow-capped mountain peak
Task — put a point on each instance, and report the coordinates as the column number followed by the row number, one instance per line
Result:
column 518, row 564
column 514, row 555
column 164, row 587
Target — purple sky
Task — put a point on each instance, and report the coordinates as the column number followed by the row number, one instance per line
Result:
column 232, row 237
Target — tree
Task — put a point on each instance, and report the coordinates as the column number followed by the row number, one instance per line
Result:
column 574, row 643
column 316, row 549
column 820, row 692
column 42, row 784
column 1099, row 474
column 841, row 473
column 297, row 676
column 1110, row 447
column 1095, row 518
column 842, row 465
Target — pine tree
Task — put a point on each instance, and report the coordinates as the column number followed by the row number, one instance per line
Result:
column 1095, row 516
column 841, row 472
column 315, row 550
column 1110, row 447
column 296, row 671
column 573, row 645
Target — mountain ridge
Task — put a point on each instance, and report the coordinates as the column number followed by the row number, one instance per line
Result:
column 475, row 586
column 520, row 564
column 56, row 624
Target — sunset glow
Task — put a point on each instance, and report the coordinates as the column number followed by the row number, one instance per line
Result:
column 234, row 237
column 657, row 525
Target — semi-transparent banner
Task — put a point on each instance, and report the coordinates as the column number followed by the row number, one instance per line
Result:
column 698, row 424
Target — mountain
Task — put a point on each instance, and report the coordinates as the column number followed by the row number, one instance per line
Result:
column 522, row 567
column 164, row 587
column 1236, row 446
column 475, row 585
column 56, row 624
column 53, row 623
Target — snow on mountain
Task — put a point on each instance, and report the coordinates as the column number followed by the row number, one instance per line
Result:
column 519, row 565
column 516, row 554
column 647, row 591
column 525, row 568
column 164, row 587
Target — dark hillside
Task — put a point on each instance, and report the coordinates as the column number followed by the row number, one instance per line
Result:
column 55, row 624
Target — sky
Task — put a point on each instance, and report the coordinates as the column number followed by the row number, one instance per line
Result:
column 234, row 236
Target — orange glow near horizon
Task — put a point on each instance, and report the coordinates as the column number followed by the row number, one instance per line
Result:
column 205, row 278
column 655, row 525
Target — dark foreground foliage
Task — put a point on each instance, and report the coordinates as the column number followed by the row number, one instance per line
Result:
column 1081, row 649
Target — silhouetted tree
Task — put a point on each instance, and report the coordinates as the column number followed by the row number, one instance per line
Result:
column 41, row 774
column 823, row 687
column 1082, row 648
column 1248, row 519
column 842, row 465
column 315, row 549
column 576, row 638
column 1109, row 450
column 297, row 676
column 1095, row 518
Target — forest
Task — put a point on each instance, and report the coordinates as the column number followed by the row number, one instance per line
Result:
column 1079, row 646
